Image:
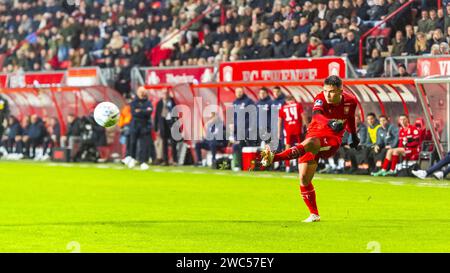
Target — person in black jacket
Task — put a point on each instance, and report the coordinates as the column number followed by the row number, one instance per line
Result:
column 51, row 140
column 264, row 106
column 4, row 112
column 375, row 65
column 72, row 133
column 13, row 136
column 36, row 133
column 164, row 119
column 140, row 129
column 266, row 50
column 349, row 48
column 244, row 129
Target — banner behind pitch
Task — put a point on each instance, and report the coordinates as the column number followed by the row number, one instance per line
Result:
column 282, row 69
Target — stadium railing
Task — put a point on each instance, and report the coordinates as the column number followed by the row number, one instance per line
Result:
column 378, row 26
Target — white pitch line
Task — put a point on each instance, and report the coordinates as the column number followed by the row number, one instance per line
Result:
column 198, row 172
column 341, row 179
column 396, row 183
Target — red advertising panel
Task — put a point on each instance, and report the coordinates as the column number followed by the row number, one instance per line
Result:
column 282, row 70
column 433, row 67
column 50, row 79
column 178, row 75
column 3, row 80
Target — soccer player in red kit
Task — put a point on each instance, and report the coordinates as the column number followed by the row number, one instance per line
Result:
column 408, row 147
column 292, row 117
column 333, row 112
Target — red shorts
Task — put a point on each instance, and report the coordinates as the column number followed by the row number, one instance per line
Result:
column 292, row 139
column 411, row 153
column 329, row 144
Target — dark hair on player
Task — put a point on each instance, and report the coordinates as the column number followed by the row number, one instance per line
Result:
column 382, row 116
column 404, row 115
column 264, row 89
column 277, row 87
column 371, row 114
column 333, row 81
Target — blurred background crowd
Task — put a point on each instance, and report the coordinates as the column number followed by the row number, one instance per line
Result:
column 50, row 34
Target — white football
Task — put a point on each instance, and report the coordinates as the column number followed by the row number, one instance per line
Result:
column 106, row 114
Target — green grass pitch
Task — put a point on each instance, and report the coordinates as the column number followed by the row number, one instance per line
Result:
column 47, row 207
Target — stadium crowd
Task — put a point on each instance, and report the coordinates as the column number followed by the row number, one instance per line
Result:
column 51, row 35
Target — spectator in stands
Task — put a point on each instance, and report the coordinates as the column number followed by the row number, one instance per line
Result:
column 123, row 81
column 436, row 38
column 444, row 48
column 402, row 72
column 409, row 147
column 434, row 19
column 442, row 20
column 244, row 130
column 324, row 30
column 398, row 44
column 421, row 45
column 215, row 138
column 357, row 26
column 410, row 41
column 435, row 50
column 377, row 11
column 266, row 50
column 349, row 48
column 375, row 65
column 315, row 48
column 249, row 51
column 362, row 9
column 425, row 25
column 435, row 170
column 278, row 46
column 321, row 11
column 164, row 120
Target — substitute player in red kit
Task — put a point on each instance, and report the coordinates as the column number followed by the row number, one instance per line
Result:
column 333, row 112
column 408, row 147
column 291, row 118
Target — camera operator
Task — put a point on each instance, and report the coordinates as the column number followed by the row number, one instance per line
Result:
column 92, row 135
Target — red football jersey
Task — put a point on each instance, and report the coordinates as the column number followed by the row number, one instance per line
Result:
column 409, row 137
column 345, row 111
column 291, row 115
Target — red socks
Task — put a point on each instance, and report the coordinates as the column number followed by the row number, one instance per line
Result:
column 394, row 162
column 291, row 153
column 309, row 196
column 386, row 164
